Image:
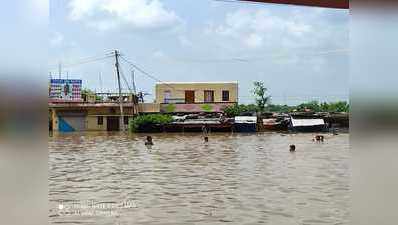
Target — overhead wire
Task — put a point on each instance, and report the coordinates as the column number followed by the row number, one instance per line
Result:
column 83, row 61
column 144, row 72
column 125, row 80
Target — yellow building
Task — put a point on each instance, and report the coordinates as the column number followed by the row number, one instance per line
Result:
column 196, row 96
column 196, row 92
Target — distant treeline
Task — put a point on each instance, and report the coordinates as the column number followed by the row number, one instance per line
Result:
column 313, row 106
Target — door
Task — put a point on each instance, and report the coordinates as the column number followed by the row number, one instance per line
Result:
column 112, row 123
column 189, row 97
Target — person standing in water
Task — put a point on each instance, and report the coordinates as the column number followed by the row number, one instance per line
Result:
column 149, row 141
column 205, row 133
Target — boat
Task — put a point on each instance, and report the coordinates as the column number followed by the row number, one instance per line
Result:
column 307, row 125
column 275, row 124
column 245, row 124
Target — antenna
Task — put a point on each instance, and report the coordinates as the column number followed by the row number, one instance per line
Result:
column 59, row 70
column 100, row 80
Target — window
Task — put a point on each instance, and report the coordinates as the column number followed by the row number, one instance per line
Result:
column 100, row 120
column 209, row 96
column 126, row 120
column 167, row 96
column 225, row 96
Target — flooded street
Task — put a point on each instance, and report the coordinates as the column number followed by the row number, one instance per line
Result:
column 101, row 178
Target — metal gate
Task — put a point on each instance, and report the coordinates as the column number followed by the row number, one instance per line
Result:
column 69, row 122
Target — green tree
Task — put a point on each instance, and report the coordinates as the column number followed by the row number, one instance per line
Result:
column 236, row 110
column 312, row 106
column 262, row 99
column 151, row 119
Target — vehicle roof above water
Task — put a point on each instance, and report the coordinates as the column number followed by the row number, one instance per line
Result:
column 307, row 122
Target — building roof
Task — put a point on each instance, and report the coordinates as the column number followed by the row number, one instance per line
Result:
column 307, row 122
column 198, row 82
column 245, row 119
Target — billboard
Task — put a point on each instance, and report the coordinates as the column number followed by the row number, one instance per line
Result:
column 65, row 90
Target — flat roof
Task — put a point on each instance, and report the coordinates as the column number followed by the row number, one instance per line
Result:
column 199, row 82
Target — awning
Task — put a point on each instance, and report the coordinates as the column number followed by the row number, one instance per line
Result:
column 307, row 122
column 245, row 119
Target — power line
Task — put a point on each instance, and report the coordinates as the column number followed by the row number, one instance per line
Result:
column 125, row 80
column 84, row 61
column 144, row 72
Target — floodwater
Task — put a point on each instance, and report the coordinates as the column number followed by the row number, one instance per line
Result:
column 102, row 178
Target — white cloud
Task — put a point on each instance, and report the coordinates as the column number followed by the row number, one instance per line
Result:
column 256, row 28
column 254, row 40
column 111, row 14
column 184, row 41
column 159, row 54
column 56, row 39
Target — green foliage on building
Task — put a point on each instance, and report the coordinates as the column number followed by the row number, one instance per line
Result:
column 148, row 120
column 207, row 108
column 170, row 108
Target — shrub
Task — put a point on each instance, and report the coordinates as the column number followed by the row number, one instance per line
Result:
column 207, row 108
column 138, row 122
column 170, row 108
column 236, row 110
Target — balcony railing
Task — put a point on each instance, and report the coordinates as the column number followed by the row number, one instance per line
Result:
column 174, row 100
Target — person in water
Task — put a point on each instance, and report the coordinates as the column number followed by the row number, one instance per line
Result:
column 206, row 139
column 319, row 138
column 292, row 148
column 149, row 141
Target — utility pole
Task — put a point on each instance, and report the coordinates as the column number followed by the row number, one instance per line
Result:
column 135, row 107
column 133, row 80
column 121, row 121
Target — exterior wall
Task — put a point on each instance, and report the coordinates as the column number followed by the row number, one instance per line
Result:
column 90, row 117
column 54, row 119
column 187, row 108
column 149, row 107
column 92, row 123
column 178, row 90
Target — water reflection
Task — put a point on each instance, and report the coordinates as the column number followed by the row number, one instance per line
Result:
column 234, row 179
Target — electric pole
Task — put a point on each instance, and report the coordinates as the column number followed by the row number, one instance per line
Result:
column 121, row 121
column 135, row 106
column 133, row 80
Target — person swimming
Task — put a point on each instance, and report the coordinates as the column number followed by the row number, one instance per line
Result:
column 149, row 141
column 292, row 148
column 319, row 138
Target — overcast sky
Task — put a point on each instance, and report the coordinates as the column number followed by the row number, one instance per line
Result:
column 300, row 53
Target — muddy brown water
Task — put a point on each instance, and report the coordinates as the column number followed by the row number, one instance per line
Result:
column 113, row 178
